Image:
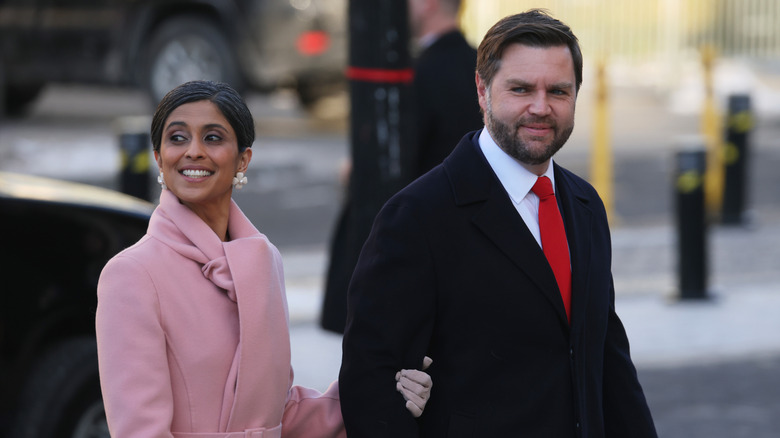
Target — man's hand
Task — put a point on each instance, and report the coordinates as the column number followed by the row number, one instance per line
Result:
column 415, row 386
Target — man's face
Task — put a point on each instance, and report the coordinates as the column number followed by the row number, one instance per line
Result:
column 417, row 10
column 529, row 105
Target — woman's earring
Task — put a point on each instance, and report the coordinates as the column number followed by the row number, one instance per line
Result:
column 161, row 181
column 239, row 180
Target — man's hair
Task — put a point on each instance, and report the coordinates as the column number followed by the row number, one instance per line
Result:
column 534, row 28
column 452, row 5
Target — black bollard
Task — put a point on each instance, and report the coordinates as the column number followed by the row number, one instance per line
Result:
column 135, row 145
column 2, row 90
column 738, row 127
column 691, row 222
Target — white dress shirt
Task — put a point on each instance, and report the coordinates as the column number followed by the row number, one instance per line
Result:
column 517, row 181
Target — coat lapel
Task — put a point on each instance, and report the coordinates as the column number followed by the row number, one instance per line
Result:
column 476, row 186
column 577, row 217
column 263, row 369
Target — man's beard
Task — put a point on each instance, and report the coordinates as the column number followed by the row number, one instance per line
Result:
column 507, row 139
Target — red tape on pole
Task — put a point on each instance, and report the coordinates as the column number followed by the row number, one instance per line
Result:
column 398, row 76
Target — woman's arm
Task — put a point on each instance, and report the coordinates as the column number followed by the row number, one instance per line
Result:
column 309, row 414
column 133, row 364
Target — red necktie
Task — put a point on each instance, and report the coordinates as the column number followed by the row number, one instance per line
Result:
column 554, row 238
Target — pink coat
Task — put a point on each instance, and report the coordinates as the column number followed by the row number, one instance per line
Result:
column 193, row 337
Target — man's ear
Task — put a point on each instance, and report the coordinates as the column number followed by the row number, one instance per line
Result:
column 481, row 92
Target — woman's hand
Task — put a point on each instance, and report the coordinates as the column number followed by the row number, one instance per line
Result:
column 415, row 386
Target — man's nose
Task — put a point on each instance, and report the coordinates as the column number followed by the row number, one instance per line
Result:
column 540, row 106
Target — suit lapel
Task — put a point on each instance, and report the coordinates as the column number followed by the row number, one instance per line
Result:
column 577, row 218
column 476, row 186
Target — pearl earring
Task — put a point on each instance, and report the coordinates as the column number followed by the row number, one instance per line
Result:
column 239, row 180
column 161, row 181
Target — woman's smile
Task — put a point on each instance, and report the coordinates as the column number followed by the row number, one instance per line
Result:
column 196, row 173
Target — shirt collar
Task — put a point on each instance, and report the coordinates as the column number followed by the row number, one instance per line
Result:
column 427, row 40
column 516, row 179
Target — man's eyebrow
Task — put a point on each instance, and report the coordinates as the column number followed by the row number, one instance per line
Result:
column 519, row 83
column 562, row 85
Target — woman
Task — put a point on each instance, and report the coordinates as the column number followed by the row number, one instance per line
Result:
column 192, row 322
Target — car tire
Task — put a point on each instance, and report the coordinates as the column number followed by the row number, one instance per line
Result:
column 188, row 48
column 62, row 398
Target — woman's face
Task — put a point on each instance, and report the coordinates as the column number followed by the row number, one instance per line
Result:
column 199, row 155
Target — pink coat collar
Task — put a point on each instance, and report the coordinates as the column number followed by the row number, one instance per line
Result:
column 249, row 269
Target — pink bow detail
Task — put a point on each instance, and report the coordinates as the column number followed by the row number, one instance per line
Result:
column 218, row 272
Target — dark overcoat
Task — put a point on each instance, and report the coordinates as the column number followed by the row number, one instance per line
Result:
column 451, row 271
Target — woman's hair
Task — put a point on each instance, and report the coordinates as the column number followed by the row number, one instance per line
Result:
column 222, row 95
column 534, row 28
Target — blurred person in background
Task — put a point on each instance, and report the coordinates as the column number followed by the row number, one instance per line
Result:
column 192, row 321
column 497, row 264
column 445, row 107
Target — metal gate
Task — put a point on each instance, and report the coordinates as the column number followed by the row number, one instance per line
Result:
column 638, row 31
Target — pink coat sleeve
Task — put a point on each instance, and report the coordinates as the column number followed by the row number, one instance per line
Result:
column 309, row 414
column 132, row 356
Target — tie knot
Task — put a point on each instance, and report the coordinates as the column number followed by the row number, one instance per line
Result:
column 543, row 187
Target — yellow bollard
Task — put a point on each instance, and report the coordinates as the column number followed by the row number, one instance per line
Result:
column 601, row 152
column 711, row 128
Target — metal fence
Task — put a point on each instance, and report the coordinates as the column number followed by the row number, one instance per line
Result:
column 640, row 31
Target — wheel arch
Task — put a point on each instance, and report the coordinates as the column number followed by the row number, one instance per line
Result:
column 151, row 15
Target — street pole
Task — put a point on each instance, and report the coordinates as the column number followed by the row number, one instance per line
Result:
column 380, row 77
column 713, row 134
column 135, row 147
column 2, row 90
column 737, row 153
column 690, row 206
column 601, row 162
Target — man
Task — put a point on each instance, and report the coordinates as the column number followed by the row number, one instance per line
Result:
column 443, row 81
column 454, row 269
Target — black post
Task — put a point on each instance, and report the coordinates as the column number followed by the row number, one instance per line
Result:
column 738, row 127
column 135, row 145
column 691, row 222
column 2, row 90
column 380, row 76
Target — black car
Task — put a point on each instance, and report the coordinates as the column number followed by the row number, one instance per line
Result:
column 159, row 44
column 56, row 238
